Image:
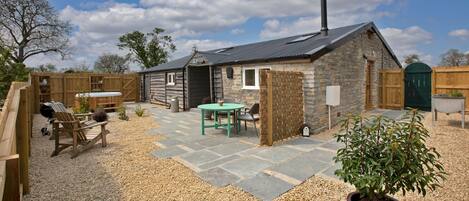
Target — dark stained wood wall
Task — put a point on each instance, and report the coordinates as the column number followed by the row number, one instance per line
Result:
column 199, row 85
column 163, row 93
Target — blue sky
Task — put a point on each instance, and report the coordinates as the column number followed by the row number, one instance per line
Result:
column 425, row 27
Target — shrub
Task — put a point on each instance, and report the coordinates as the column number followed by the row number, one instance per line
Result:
column 382, row 156
column 84, row 105
column 100, row 116
column 139, row 110
column 455, row 93
column 121, row 111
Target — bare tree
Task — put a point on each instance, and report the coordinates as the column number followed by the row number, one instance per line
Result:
column 411, row 58
column 31, row 27
column 46, row 68
column 112, row 63
column 452, row 57
column 79, row 68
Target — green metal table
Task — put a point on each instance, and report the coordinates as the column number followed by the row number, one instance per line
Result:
column 229, row 108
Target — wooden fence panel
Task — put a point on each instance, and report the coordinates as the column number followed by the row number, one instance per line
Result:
column 15, row 132
column 281, row 102
column 391, row 93
column 447, row 79
column 63, row 87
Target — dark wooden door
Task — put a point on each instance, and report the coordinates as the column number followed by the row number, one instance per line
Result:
column 418, row 86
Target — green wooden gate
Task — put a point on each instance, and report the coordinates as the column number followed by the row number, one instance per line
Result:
column 418, row 86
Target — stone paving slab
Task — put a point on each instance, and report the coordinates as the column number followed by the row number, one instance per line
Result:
column 218, row 177
column 218, row 162
column 265, row 187
column 169, row 142
column 246, row 166
column 199, row 157
column 211, row 142
column 278, row 154
column 168, row 152
column 303, row 143
column 332, row 145
column 301, row 167
column 230, row 148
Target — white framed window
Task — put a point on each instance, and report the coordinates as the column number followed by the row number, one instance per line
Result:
column 251, row 78
column 171, row 79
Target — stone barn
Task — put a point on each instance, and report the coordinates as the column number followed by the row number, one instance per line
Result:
column 349, row 56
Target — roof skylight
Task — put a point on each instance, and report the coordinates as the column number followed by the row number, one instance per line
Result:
column 303, row 38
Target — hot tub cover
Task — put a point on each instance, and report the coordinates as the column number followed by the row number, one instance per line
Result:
column 99, row 94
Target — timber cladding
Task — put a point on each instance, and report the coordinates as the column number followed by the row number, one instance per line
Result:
column 391, row 85
column 63, row 87
column 281, row 105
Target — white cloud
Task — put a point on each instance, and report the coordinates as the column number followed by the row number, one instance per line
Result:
column 185, row 46
column 405, row 41
column 237, row 31
column 460, row 33
column 187, row 21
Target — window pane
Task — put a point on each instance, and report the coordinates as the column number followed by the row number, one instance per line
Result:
column 250, row 77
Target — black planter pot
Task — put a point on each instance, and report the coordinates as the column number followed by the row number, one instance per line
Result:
column 355, row 196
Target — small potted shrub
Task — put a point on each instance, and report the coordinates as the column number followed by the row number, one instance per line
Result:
column 382, row 157
column 208, row 114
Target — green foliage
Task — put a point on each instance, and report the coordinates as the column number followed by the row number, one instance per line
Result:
column 84, row 106
column 10, row 71
column 45, row 68
column 148, row 49
column 122, row 113
column 139, row 110
column 455, row 93
column 112, row 63
column 382, row 156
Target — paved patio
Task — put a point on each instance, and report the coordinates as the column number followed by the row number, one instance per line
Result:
column 265, row 172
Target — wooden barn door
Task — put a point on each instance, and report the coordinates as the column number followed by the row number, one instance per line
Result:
column 368, row 80
column 130, row 88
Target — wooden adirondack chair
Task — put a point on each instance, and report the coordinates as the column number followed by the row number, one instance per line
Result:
column 82, row 137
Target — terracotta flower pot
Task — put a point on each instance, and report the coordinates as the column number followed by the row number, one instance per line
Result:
column 355, row 196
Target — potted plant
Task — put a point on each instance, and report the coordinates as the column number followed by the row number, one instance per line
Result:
column 382, row 157
column 208, row 114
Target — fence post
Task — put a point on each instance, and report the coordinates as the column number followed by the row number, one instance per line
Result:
column 402, row 89
column 22, row 135
column 12, row 181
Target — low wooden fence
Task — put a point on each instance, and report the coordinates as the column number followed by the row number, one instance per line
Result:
column 281, row 105
column 391, row 89
column 447, row 79
column 15, row 132
column 63, row 87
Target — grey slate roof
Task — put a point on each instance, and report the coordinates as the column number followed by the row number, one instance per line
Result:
column 279, row 49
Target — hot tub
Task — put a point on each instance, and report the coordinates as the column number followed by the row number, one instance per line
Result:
column 446, row 104
column 106, row 100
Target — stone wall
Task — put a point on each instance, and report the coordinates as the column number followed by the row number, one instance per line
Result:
column 344, row 66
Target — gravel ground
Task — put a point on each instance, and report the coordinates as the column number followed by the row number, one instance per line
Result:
column 125, row 171
column 122, row 171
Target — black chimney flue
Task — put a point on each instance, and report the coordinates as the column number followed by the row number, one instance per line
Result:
column 324, row 28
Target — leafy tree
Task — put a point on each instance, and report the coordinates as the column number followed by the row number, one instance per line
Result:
column 148, row 49
column 10, row 71
column 46, row 68
column 411, row 58
column 452, row 57
column 112, row 63
column 31, row 27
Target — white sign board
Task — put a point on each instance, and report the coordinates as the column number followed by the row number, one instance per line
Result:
column 333, row 95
